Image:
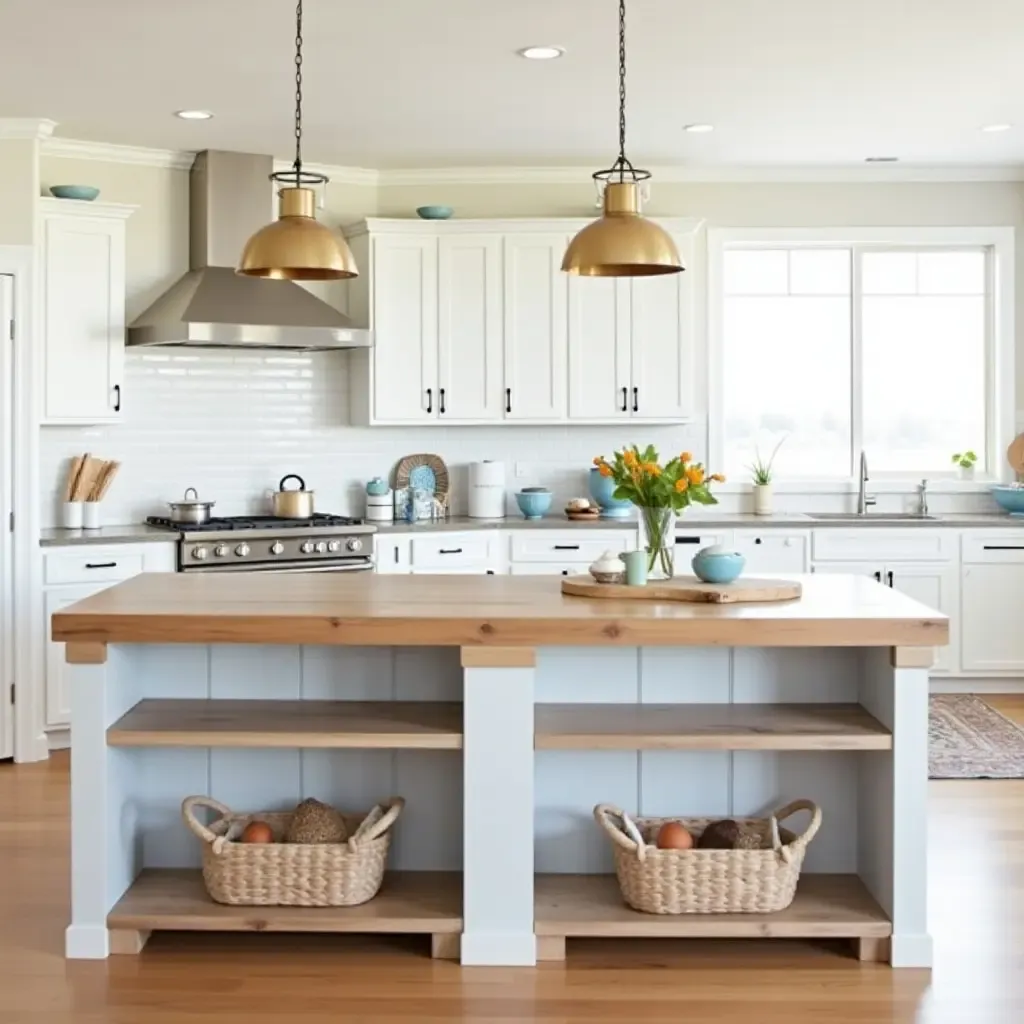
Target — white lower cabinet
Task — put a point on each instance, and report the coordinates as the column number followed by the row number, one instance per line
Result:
column 991, row 597
column 772, row 551
column 72, row 574
column 549, row 568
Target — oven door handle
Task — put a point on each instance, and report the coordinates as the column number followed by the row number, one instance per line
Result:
column 313, row 567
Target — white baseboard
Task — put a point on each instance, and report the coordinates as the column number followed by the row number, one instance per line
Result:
column 499, row 949
column 966, row 685
column 58, row 739
column 86, row 942
column 911, row 951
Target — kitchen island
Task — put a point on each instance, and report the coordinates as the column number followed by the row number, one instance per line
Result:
column 502, row 711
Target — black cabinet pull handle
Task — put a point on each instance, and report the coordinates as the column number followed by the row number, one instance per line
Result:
column 117, row 398
column 757, row 540
column 636, row 403
column 430, row 399
column 450, row 551
column 878, row 576
column 565, row 572
column 490, row 572
column 889, row 574
column 624, row 405
column 567, row 547
column 508, row 399
column 1002, row 547
column 101, row 565
column 687, row 540
column 442, row 401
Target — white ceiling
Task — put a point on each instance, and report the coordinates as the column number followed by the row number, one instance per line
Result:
column 435, row 83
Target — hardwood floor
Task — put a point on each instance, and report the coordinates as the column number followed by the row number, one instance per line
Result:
column 977, row 913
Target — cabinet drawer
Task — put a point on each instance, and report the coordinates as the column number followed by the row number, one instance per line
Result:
column 92, row 565
column 550, row 568
column 910, row 544
column 993, row 546
column 542, row 546
column 451, row 549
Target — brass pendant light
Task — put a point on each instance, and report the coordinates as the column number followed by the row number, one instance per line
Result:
column 622, row 243
column 296, row 246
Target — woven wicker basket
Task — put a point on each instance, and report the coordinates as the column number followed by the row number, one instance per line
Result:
column 281, row 874
column 756, row 880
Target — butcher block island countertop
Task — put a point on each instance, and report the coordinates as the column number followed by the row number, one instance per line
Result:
column 492, row 611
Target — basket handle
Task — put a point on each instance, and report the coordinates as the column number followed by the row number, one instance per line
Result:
column 808, row 834
column 604, row 815
column 188, row 806
column 377, row 822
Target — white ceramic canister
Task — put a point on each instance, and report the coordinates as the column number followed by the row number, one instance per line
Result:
column 487, row 490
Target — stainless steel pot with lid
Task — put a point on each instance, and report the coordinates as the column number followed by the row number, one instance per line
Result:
column 295, row 504
column 190, row 510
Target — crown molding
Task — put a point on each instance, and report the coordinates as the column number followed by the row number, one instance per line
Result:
column 108, row 152
column 26, row 127
column 338, row 174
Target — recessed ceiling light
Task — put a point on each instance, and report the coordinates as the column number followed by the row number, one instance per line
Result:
column 881, row 159
column 698, row 129
column 193, row 115
column 996, row 127
column 541, row 52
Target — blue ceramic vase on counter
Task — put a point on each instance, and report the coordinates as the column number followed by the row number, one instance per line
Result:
column 718, row 564
column 601, row 490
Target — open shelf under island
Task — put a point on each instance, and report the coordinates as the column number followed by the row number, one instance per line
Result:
column 503, row 712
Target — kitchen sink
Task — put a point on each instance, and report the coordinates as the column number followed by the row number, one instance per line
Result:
column 871, row 517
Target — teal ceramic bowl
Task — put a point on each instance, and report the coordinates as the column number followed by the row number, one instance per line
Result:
column 534, row 504
column 434, row 212
column 84, row 192
column 601, row 490
column 1010, row 498
column 718, row 564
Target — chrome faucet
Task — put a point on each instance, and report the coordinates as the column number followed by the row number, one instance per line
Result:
column 922, row 498
column 864, row 500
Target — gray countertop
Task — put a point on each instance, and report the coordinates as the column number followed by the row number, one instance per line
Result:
column 140, row 533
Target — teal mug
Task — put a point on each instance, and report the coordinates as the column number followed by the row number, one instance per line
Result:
column 636, row 568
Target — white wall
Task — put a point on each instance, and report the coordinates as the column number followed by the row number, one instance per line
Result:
column 231, row 424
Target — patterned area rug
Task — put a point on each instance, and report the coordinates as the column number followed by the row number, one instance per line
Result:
column 968, row 739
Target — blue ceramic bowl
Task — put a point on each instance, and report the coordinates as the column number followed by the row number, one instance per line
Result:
column 534, row 504
column 1010, row 498
column 434, row 212
column 601, row 490
column 718, row 564
column 84, row 192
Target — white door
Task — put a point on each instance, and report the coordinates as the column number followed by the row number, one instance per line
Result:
column 935, row 586
column 469, row 328
column 661, row 332
column 599, row 372
column 405, row 386
column 991, row 598
column 83, row 286
column 6, row 505
column 535, row 299
column 772, row 551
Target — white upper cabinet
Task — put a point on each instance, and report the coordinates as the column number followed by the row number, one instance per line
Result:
column 535, row 300
column 475, row 322
column 82, row 288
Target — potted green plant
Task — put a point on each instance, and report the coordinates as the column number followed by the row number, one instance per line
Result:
column 965, row 460
column 761, row 471
column 659, row 492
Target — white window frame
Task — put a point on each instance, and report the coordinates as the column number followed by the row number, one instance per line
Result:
column 1000, row 427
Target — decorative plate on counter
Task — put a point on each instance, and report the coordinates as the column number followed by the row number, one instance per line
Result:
column 423, row 472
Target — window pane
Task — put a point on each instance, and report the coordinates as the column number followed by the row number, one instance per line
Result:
column 819, row 272
column 889, row 273
column 951, row 273
column 786, row 373
column 923, row 381
column 756, row 272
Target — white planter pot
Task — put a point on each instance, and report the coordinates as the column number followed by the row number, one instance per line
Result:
column 966, row 472
column 762, row 499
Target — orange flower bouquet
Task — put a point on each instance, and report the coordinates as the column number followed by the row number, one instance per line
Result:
column 659, row 493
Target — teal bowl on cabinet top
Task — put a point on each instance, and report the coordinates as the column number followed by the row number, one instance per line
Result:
column 718, row 564
column 601, row 490
column 86, row 193
column 533, row 504
column 1010, row 498
column 434, row 212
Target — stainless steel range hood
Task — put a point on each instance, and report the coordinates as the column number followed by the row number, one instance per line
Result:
column 212, row 306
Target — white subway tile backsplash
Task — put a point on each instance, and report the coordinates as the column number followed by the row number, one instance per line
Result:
column 232, row 423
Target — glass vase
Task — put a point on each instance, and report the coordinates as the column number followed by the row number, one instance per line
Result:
column 657, row 537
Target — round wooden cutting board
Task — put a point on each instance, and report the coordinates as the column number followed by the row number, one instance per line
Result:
column 1015, row 454
column 686, row 588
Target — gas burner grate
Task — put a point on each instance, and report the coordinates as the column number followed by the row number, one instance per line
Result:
column 231, row 523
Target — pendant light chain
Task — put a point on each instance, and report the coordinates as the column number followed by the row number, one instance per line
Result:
column 622, row 85
column 298, row 91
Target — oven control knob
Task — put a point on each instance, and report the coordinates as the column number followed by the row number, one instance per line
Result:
column 355, row 544
column 307, row 547
column 334, row 545
column 321, row 546
column 199, row 553
column 221, row 550
column 242, row 550
column 276, row 548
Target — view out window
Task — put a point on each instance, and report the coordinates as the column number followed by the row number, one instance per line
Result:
column 839, row 348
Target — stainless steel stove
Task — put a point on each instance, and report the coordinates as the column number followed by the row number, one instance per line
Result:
column 324, row 543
